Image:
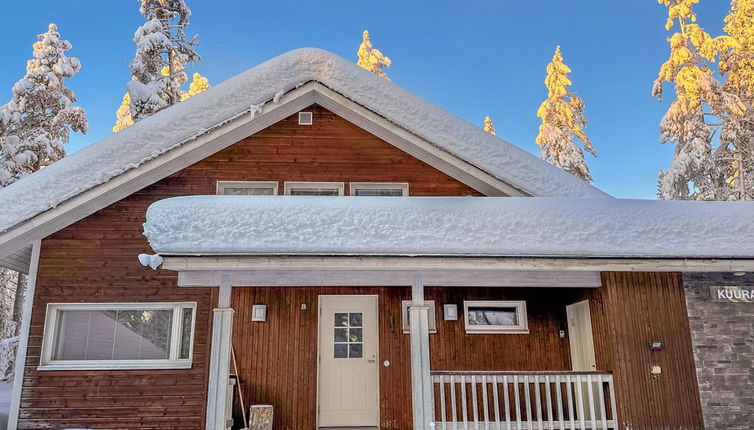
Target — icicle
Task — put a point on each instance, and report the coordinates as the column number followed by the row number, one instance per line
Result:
column 278, row 95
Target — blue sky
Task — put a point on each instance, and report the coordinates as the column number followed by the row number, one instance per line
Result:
column 471, row 57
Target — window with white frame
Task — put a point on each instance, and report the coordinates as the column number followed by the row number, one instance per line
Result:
column 405, row 304
column 381, row 189
column 314, row 188
column 247, row 188
column 487, row 316
column 118, row 336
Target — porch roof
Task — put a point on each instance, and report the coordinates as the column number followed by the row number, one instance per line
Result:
column 450, row 227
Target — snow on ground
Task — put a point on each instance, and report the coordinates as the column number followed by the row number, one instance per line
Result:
column 5, row 392
column 174, row 126
column 496, row 226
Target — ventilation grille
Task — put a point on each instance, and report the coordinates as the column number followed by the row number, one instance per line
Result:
column 305, row 118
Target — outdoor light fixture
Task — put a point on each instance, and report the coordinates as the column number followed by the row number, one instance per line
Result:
column 450, row 312
column 655, row 345
column 259, row 313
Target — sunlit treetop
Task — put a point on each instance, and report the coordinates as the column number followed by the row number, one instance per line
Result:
column 489, row 126
column 372, row 59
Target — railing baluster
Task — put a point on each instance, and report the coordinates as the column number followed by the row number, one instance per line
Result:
column 474, row 402
column 518, row 402
column 506, row 399
column 442, row 402
column 486, row 406
column 580, row 397
column 496, row 399
column 569, row 392
column 453, row 405
column 590, row 392
column 613, row 407
column 538, row 405
column 602, row 404
column 548, row 398
column 527, row 396
column 463, row 404
column 559, row 398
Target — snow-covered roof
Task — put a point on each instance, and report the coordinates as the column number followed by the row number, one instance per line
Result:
column 114, row 155
column 450, row 226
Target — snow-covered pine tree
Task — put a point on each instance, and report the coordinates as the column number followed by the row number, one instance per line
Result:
column 160, row 43
column 372, row 59
column 562, row 115
column 37, row 122
column 489, row 126
column 695, row 172
column 736, row 65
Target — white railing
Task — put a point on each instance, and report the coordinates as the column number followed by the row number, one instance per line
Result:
column 467, row 400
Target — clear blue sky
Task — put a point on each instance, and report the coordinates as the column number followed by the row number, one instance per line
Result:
column 473, row 58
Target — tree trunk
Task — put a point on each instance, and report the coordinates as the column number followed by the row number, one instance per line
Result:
column 18, row 304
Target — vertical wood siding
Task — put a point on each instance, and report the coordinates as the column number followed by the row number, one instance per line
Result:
column 630, row 310
column 94, row 260
column 277, row 359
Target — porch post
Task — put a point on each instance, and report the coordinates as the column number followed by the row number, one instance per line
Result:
column 219, row 364
column 421, row 382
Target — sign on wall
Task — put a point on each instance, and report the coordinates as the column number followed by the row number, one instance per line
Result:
column 732, row 294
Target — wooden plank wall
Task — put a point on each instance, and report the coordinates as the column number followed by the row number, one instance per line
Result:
column 630, row 310
column 94, row 260
column 277, row 358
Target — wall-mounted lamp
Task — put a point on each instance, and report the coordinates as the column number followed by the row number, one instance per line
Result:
column 450, row 312
column 655, row 345
column 259, row 313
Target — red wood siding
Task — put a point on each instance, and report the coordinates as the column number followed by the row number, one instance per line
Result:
column 94, row 260
column 277, row 359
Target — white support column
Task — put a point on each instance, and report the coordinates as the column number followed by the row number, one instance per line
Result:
column 421, row 381
column 219, row 364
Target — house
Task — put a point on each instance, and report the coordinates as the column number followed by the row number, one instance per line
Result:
column 359, row 258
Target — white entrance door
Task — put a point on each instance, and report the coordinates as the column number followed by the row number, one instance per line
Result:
column 580, row 336
column 348, row 370
column 582, row 353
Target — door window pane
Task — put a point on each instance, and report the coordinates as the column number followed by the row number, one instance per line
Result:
column 341, row 350
column 354, row 350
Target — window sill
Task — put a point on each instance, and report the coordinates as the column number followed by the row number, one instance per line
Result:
column 497, row 332
column 114, row 366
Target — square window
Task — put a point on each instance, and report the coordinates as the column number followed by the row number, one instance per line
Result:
column 486, row 316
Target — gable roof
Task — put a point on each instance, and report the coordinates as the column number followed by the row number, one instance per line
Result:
column 244, row 94
column 449, row 226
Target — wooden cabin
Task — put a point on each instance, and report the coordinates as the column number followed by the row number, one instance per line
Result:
column 356, row 258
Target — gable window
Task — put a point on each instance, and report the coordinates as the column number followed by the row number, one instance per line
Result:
column 387, row 189
column 405, row 304
column 486, row 317
column 314, row 188
column 118, row 336
column 247, row 188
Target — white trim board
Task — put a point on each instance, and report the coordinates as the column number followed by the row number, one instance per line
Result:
column 172, row 161
column 419, row 264
column 15, row 400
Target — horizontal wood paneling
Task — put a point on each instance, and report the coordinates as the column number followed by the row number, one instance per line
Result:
column 94, row 260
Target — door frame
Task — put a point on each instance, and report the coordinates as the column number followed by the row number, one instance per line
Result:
column 377, row 349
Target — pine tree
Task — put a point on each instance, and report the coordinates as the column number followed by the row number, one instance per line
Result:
column 372, row 59
column 562, row 115
column 489, row 126
column 37, row 122
column 695, row 172
column 160, row 43
column 736, row 65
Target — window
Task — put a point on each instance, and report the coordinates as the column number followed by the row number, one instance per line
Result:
column 349, row 335
column 118, row 336
column 405, row 304
column 495, row 317
column 247, row 188
column 305, row 118
column 314, row 188
column 398, row 189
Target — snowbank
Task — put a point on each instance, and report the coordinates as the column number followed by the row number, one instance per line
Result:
column 494, row 226
column 172, row 127
column 8, row 349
